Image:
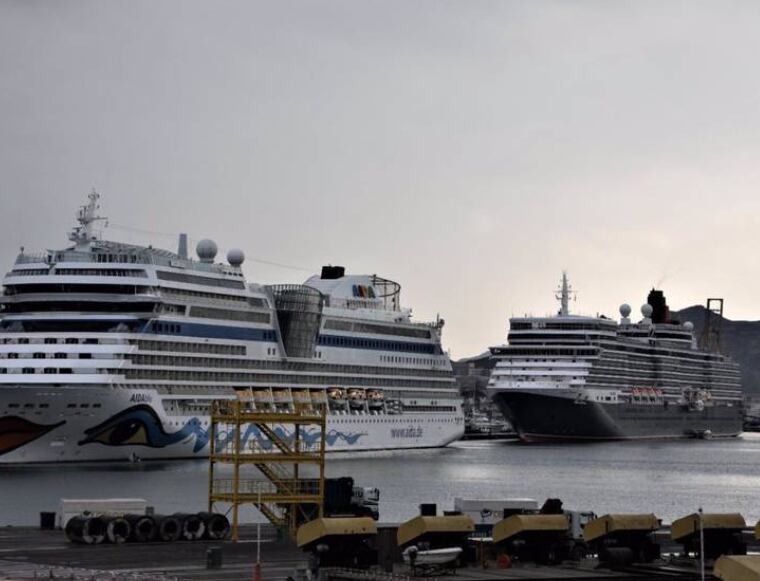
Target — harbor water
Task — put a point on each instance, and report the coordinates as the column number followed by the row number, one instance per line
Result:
column 670, row 478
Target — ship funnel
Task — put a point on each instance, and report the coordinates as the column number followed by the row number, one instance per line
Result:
column 182, row 247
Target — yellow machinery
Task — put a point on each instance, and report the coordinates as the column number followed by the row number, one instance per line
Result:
column 543, row 538
column 436, row 531
column 340, row 542
column 276, row 456
column 722, row 533
column 738, row 568
column 623, row 538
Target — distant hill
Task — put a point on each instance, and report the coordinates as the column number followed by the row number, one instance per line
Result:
column 740, row 340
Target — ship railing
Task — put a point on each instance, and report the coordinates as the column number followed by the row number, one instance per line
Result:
column 32, row 258
column 354, row 304
column 201, row 301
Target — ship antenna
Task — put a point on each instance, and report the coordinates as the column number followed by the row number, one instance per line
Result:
column 87, row 216
column 563, row 295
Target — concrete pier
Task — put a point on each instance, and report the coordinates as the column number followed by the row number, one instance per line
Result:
column 29, row 553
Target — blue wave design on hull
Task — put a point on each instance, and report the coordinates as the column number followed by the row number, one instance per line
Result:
column 140, row 426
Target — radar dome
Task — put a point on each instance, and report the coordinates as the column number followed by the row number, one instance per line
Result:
column 688, row 325
column 625, row 310
column 647, row 310
column 235, row 256
column 206, row 250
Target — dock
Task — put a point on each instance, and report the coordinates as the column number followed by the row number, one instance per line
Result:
column 28, row 553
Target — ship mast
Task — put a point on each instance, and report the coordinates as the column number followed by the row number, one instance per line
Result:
column 563, row 296
column 87, row 216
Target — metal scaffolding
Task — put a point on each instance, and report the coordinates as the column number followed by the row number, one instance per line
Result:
column 276, row 454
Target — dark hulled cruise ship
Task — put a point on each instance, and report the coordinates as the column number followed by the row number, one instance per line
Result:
column 571, row 377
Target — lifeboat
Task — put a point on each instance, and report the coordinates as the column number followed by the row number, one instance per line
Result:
column 336, row 397
column 282, row 396
column 318, row 396
column 262, row 395
column 375, row 399
column 356, row 398
column 335, row 393
column 301, row 396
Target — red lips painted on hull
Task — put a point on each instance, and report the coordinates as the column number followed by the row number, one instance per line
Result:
column 16, row 432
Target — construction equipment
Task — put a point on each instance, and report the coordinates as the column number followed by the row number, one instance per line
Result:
column 339, row 542
column 549, row 536
column 712, row 338
column 542, row 538
column 433, row 545
column 738, row 568
column 722, row 534
column 623, row 538
column 342, row 498
column 270, row 448
column 437, row 532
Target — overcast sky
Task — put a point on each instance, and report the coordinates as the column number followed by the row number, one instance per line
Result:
column 469, row 150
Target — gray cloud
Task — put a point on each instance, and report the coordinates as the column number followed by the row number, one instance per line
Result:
column 470, row 150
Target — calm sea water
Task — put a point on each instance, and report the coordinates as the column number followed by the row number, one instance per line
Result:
column 670, row 479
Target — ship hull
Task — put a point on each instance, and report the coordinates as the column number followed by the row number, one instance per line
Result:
column 72, row 424
column 561, row 417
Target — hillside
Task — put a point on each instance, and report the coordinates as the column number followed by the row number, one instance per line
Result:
column 741, row 340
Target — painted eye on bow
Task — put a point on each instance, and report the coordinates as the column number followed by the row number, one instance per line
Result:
column 125, row 432
column 136, row 426
column 141, row 426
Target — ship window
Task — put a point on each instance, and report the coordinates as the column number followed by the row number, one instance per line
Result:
column 71, row 405
column 50, row 340
column 60, row 356
column 13, row 405
column 204, row 280
column 39, row 356
column 71, row 341
column 85, row 355
column 28, row 370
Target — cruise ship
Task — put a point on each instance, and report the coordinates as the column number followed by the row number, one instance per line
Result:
column 572, row 377
column 114, row 351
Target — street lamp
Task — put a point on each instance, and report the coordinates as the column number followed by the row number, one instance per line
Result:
column 701, row 544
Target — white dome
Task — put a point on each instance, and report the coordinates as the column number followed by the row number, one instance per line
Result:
column 647, row 310
column 235, row 256
column 206, row 250
column 688, row 325
column 625, row 310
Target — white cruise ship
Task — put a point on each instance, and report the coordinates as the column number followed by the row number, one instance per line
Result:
column 113, row 351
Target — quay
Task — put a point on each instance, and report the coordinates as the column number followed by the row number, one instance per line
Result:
column 29, row 553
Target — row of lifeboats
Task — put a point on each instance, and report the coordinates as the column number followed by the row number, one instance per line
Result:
column 336, row 397
column 646, row 392
column 355, row 398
